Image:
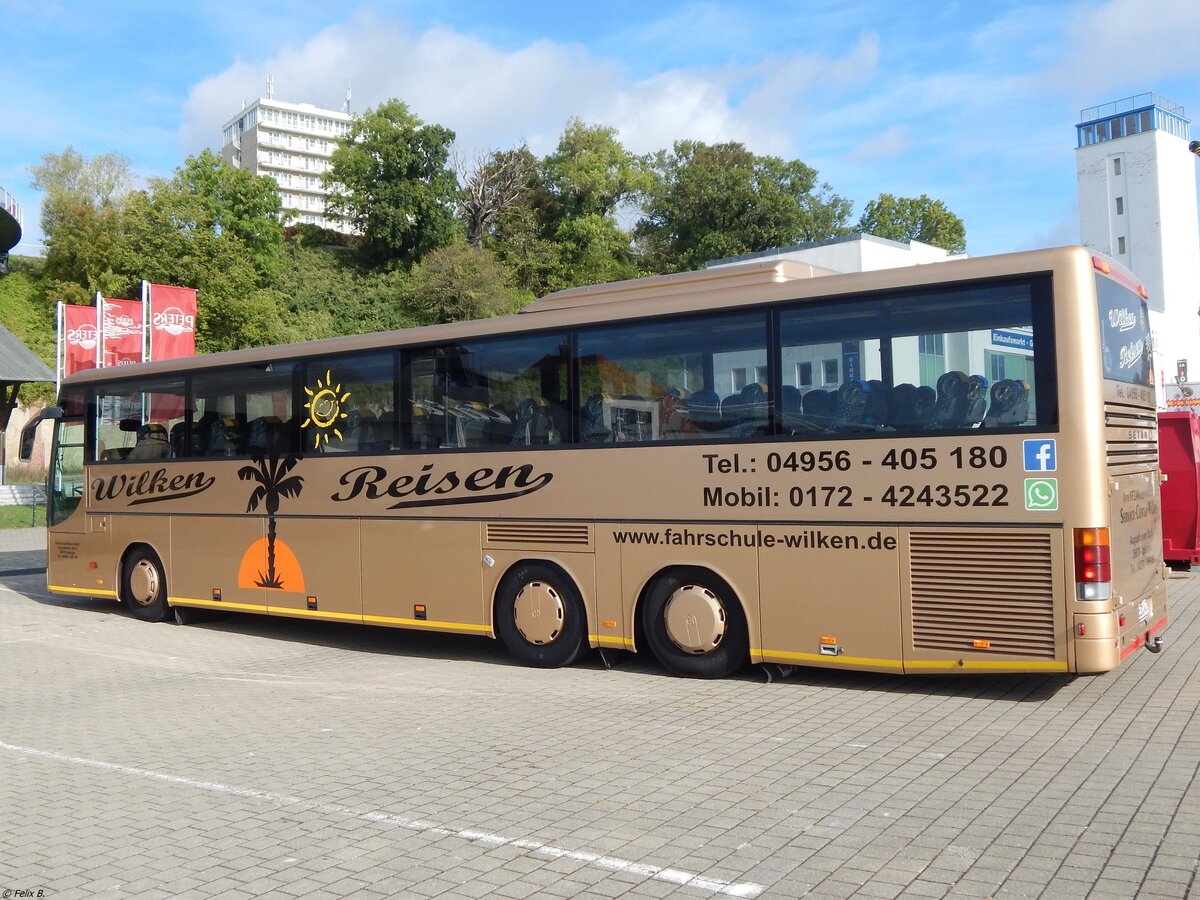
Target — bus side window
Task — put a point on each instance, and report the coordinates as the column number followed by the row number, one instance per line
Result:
column 913, row 361
column 496, row 392
column 663, row 380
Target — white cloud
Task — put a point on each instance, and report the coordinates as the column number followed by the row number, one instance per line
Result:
column 1059, row 234
column 1120, row 43
column 496, row 98
column 890, row 142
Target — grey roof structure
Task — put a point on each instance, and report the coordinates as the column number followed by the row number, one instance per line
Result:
column 18, row 364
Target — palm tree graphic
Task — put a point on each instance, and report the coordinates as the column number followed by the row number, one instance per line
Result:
column 271, row 473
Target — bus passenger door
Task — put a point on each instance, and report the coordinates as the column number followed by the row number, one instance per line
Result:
column 830, row 595
column 75, row 552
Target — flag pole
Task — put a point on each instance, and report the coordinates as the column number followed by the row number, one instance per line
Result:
column 99, row 330
column 59, row 339
column 147, row 331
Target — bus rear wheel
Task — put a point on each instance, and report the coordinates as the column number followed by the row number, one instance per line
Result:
column 540, row 616
column 144, row 586
column 694, row 624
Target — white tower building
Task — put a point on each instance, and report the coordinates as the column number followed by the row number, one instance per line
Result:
column 1137, row 203
column 291, row 142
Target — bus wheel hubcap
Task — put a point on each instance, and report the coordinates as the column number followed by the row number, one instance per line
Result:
column 695, row 619
column 539, row 612
column 143, row 583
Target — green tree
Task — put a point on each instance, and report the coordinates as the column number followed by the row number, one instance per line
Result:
column 458, row 282
column 566, row 230
column 214, row 228
column 82, row 218
column 914, row 219
column 708, row 202
column 209, row 194
column 328, row 294
column 590, row 172
column 390, row 177
column 520, row 241
column 499, row 181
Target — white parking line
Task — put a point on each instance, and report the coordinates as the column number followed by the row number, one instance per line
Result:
column 601, row 861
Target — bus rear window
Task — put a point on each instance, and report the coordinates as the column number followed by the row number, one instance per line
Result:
column 1124, row 334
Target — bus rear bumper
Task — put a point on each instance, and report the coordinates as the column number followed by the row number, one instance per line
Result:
column 1104, row 640
column 1097, row 642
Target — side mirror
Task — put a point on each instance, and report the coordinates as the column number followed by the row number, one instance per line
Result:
column 29, row 432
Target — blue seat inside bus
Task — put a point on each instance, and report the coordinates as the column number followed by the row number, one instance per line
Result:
column 961, row 399
column 533, row 423
column 269, row 434
column 227, row 437
column 152, row 442
column 819, row 407
column 1009, row 404
column 748, row 411
column 592, row 429
column 861, row 405
column 704, row 410
column 911, row 407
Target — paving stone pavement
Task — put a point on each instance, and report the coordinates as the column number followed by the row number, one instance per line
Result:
column 247, row 757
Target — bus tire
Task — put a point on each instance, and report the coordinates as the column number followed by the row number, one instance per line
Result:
column 144, row 585
column 540, row 616
column 694, row 625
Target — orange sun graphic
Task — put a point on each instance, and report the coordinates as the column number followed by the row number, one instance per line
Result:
column 255, row 563
column 325, row 410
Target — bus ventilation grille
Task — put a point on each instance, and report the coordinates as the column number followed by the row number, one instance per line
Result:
column 1130, row 437
column 528, row 534
column 991, row 586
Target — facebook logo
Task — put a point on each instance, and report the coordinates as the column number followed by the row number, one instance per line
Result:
column 1039, row 456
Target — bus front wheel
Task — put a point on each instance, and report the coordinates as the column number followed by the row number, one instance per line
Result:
column 540, row 616
column 694, row 624
column 144, row 586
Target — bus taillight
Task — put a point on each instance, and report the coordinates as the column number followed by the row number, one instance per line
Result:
column 1093, row 564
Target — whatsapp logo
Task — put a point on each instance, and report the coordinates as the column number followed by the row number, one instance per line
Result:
column 1041, row 493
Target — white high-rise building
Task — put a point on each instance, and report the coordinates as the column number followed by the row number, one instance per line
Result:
column 1137, row 203
column 291, row 142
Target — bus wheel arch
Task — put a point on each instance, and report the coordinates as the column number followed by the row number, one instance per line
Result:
column 143, row 584
column 693, row 622
column 539, row 614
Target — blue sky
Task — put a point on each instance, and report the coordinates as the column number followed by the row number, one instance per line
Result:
column 972, row 103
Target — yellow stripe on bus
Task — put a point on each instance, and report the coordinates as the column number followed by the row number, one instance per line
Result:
column 313, row 614
column 215, row 604
column 820, row 657
column 85, row 592
column 425, row 623
column 610, row 641
column 1025, row 665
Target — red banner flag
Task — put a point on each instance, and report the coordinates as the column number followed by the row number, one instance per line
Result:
column 172, row 321
column 122, row 338
column 79, row 338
